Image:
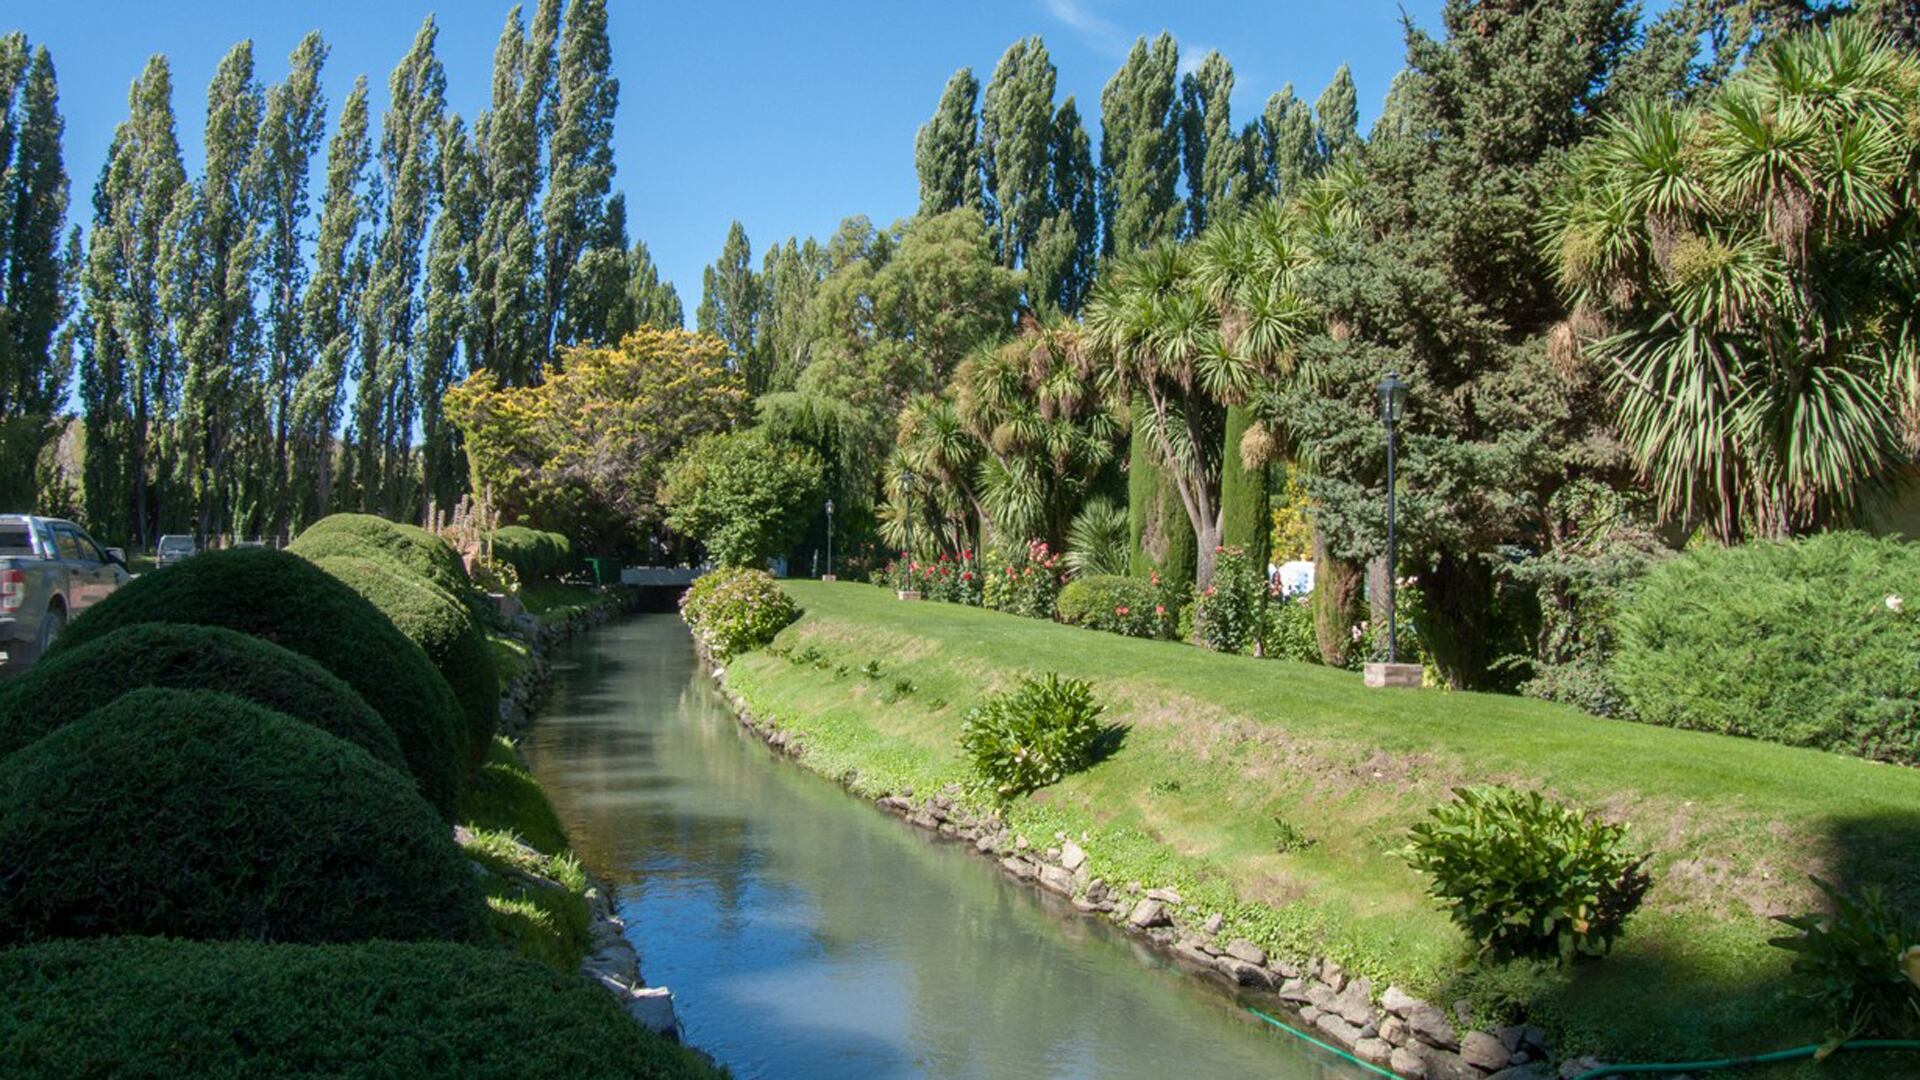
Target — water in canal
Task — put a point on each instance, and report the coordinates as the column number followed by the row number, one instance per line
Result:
column 805, row 934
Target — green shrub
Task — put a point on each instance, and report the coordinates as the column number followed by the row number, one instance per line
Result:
column 1024, row 580
column 195, row 814
column 1287, row 631
column 153, row 1008
column 733, row 610
column 1032, row 735
column 1806, row 642
column 503, row 796
column 1227, row 613
column 1860, row 965
column 72, row 683
column 293, row 603
column 443, row 627
column 1525, row 877
column 1118, row 605
column 368, row 536
column 534, row 555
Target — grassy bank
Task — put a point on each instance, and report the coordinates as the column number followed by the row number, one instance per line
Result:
column 1278, row 793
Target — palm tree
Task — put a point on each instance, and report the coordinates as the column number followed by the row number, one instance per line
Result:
column 1745, row 273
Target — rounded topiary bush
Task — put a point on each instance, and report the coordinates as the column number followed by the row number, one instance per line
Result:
column 74, row 682
column 732, row 609
column 441, row 626
column 194, row 814
column 1810, row 642
column 367, row 536
column 293, row 603
column 1116, row 604
column 236, row 1008
column 534, row 554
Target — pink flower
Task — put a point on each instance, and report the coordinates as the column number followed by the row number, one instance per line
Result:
column 1159, row 609
column 1120, row 611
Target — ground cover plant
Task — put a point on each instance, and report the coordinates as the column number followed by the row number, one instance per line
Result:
column 1220, row 746
column 196, row 814
column 287, row 600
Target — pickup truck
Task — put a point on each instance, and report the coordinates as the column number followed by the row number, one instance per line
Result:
column 50, row 571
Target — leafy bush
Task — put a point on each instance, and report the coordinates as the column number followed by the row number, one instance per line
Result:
column 1032, row 735
column 1287, row 631
column 744, row 495
column 1024, row 580
column 1116, row 604
column 952, row 580
column 733, row 610
column 443, row 627
column 367, row 536
column 74, row 682
column 503, row 796
column 1806, row 642
column 1860, row 965
column 1097, row 540
column 1525, row 877
column 293, row 603
column 195, row 814
column 373, row 1009
column 1226, row 613
column 534, row 555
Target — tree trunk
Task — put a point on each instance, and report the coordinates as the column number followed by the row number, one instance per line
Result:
column 1336, row 602
column 1457, row 629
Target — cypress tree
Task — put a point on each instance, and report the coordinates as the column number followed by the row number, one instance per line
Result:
column 1140, row 149
column 1016, row 140
column 34, row 290
column 730, row 306
column 333, row 296
column 580, row 157
column 1217, row 178
column 1337, row 116
column 290, row 136
column 946, row 148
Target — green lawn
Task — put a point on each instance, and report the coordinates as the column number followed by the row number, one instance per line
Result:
column 1224, row 754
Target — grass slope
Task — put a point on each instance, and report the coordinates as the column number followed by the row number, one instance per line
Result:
column 1227, row 757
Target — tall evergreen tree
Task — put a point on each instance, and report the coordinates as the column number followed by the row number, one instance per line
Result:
column 1140, row 149
column 1016, row 141
column 946, row 149
column 290, row 135
column 130, row 372
column 1337, row 116
column 580, row 157
column 341, row 261
column 34, row 276
column 1217, row 177
column 730, row 307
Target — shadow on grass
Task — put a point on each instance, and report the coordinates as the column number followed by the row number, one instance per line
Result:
column 1108, row 743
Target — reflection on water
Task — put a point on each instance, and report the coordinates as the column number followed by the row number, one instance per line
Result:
column 806, row 935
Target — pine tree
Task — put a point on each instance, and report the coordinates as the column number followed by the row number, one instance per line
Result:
column 1217, row 178
column 730, row 307
column 580, row 157
column 1337, row 116
column 333, row 296
column 1140, row 149
column 1016, row 140
column 946, row 149
column 290, row 135
column 130, row 368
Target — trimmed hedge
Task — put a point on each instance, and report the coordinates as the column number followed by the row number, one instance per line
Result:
column 368, row 536
column 441, row 626
column 534, row 555
column 72, row 683
column 154, row 1008
column 293, row 603
column 196, row 814
column 1120, row 605
column 1808, row 643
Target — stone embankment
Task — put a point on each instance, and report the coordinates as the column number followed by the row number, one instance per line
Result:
column 1386, row 1027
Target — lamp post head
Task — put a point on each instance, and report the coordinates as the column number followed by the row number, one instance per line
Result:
column 1393, row 398
column 907, row 480
column 829, row 507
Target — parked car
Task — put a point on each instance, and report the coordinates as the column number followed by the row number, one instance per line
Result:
column 50, row 571
column 173, row 547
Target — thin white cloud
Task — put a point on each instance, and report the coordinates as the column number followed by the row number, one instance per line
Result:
column 1097, row 31
column 1190, row 57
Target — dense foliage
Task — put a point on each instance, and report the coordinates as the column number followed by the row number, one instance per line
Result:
column 1032, row 735
column 534, row 554
column 1858, row 965
column 68, row 685
column 745, row 497
column 411, row 548
column 376, row 1009
column 734, row 609
column 1116, row 604
column 292, row 603
column 195, row 814
column 1527, row 877
column 1804, row 642
column 1023, row 580
column 1228, row 613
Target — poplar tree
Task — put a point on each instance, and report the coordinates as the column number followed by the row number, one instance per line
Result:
column 580, row 157
column 1061, row 263
column 1217, row 177
column 1140, row 149
column 36, row 293
column 410, row 182
column 328, row 308
column 1292, row 148
column 1337, row 116
column 790, row 278
column 449, row 266
column 946, row 149
column 730, row 307
column 596, row 312
column 1016, row 140
column 290, row 134
column 506, row 291
column 130, row 368
column 650, row 299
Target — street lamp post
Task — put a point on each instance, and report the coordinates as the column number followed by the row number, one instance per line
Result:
column 1393, row 406
column 828, row 576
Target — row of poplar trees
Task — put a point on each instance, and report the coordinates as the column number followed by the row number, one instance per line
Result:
column 247, row 360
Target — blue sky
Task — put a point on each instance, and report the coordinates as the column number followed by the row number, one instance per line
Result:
column 788, row 116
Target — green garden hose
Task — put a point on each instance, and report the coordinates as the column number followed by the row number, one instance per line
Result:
column 1655, row 1067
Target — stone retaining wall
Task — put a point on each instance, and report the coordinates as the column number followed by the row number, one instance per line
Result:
column 1386, row 1027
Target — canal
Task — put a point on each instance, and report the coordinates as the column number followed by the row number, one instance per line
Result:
column 805, row 934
